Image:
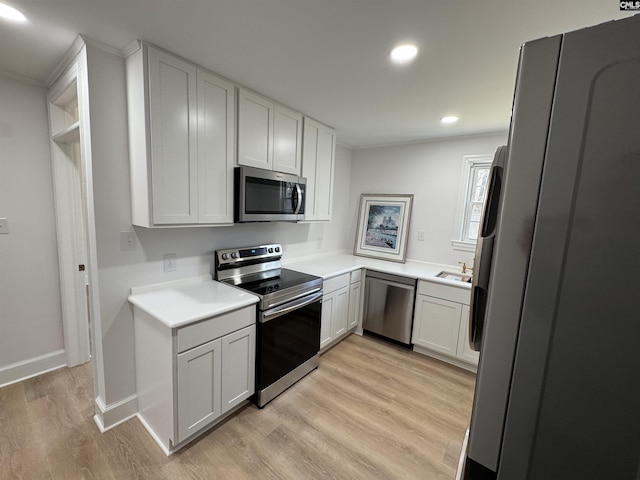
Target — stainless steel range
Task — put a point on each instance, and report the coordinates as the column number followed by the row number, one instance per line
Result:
column 289, row 313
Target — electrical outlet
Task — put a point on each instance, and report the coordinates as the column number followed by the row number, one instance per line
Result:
column 4, row 226
column 170, row 262
column 128, row 241
column 421, row 235
column 319, row 243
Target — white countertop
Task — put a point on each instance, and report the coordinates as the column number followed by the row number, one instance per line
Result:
column 332, row 264
column 180, row 302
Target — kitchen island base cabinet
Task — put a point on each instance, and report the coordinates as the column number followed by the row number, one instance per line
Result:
column 440, row 324
column 192, row 377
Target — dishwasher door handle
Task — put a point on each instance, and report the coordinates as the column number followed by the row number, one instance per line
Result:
column 391, row 283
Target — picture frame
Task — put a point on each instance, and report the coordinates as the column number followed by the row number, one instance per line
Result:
column 383, row 226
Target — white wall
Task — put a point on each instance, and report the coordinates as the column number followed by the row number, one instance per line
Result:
column 431, row 171
column 28, row 255
column 30, row 310
column 194, row 247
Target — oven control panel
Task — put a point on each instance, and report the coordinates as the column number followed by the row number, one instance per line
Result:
column 238, row 255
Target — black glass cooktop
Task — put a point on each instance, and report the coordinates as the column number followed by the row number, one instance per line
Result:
column 275, row 281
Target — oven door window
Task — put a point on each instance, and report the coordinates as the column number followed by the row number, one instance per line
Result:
column 287, row 341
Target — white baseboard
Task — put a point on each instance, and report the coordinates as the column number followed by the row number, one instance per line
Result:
column 109, row 416
column 446, row 358
column 32, row 367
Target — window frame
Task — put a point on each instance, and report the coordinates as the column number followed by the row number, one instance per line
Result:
column 471, row 164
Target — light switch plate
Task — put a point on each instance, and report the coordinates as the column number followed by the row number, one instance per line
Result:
column 421, row 235
column 4, row 226
column 128, row 241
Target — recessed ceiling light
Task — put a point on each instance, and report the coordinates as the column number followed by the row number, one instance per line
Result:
column 11, row 13
column 449, row 119
column 404, row 53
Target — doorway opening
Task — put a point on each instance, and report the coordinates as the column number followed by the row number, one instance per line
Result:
column 71, row 191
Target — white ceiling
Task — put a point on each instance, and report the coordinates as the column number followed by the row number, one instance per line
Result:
column 326, row 58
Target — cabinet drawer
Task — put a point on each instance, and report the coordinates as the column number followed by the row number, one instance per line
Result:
column 356, row 276
column 212, row 328
column 335, row 283
column 445, row 292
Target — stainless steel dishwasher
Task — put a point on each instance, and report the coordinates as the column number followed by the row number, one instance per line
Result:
column 388, row 306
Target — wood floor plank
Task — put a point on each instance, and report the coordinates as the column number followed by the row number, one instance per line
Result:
column 372, row 410
column 20, row 447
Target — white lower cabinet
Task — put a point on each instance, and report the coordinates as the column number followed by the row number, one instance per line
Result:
column 341, row 307
column 213, row 378
column 440, row 324
column 335, row 309
column 238, row 367
column 199, row 387
column 355, row 300
column 190, row 378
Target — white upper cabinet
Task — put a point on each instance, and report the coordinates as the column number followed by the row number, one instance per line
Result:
column 269, row 135
column 287, row 141
column 216, row 148
column 318, row 163
column 172, row 115
column 255, row 130
column 181, row 140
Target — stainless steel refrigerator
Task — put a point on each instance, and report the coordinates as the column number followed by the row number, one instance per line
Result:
column 556, row 294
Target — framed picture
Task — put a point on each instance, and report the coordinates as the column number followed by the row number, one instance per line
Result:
column 383, row 224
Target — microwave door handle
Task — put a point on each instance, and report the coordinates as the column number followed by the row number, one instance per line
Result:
column 484, row 255
column 298, row 201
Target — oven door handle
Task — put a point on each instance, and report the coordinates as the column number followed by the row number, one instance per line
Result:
column 288, row 307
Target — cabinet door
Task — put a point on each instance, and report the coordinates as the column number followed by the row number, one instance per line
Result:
column 309, row 164
column 287, row 141
column 238, row 367
column 199, row 387
column 355, row 305
column 318, row 161
column 216, row 100
column 436, row 324
column 255, row 130
column 173, row 117
column 340, row 313
column 465, row 352
column 328, row 309
column 324, row 173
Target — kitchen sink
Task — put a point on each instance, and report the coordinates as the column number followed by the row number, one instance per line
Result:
column 458, row 277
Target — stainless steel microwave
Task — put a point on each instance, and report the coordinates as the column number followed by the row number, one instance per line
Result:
column 267, row 196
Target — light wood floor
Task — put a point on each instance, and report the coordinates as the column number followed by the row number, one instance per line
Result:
column 372, row 410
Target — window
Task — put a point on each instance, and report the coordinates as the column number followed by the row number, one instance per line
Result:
column 473, row 192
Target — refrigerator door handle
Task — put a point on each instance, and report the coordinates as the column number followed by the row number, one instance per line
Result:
column 484, row 253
